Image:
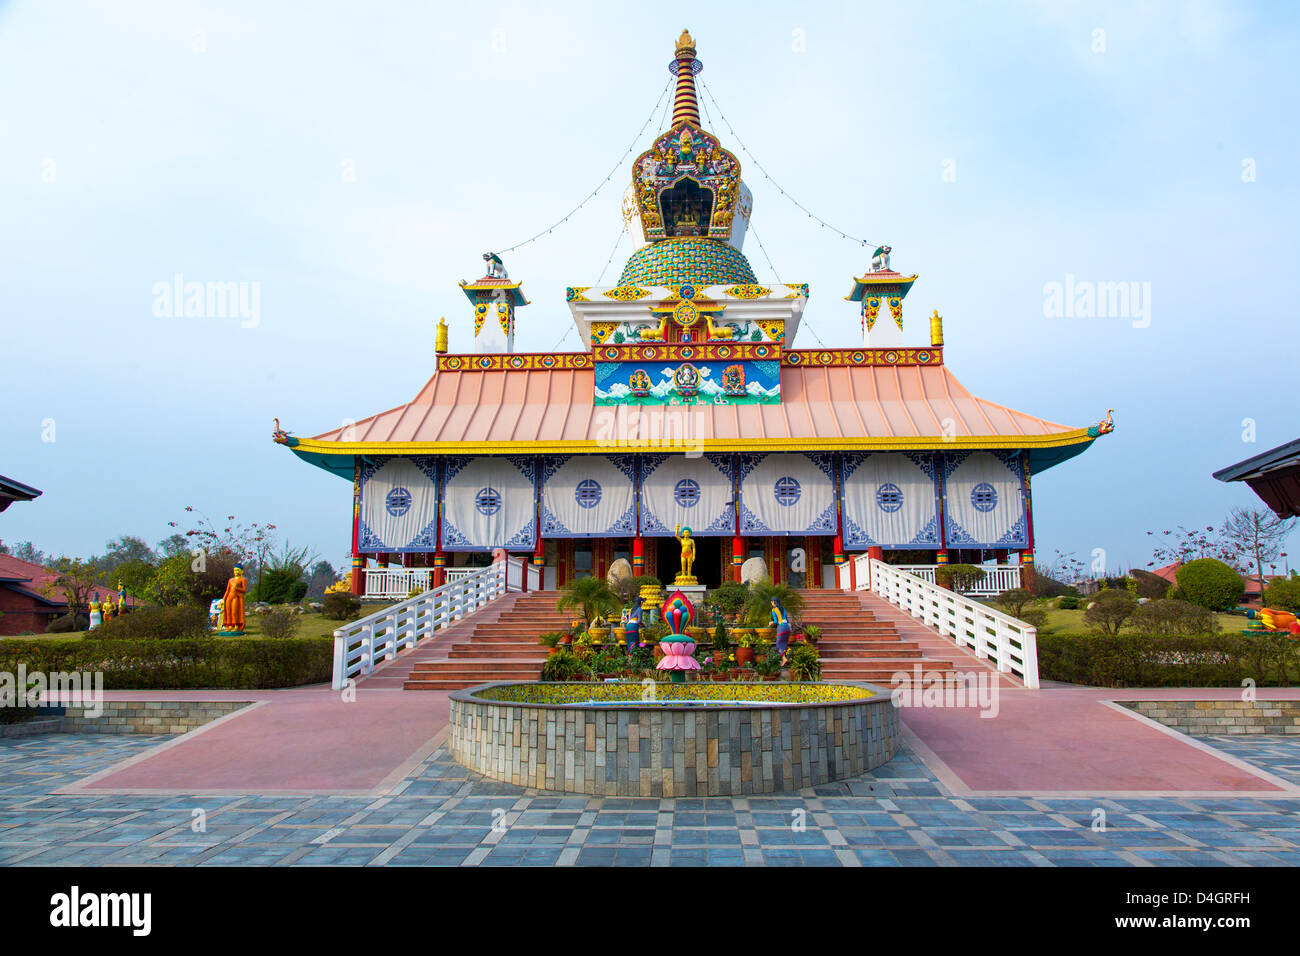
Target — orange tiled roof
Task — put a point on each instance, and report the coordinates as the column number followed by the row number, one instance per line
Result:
column 821, row 407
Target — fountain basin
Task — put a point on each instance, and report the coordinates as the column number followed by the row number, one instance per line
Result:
column 698, row 739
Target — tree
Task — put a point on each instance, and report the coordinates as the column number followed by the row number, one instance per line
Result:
column 77, row 579
column 322, row 576
column 25, row 551
column 1283, row 594
column 173, row 545
column 1109, row 611
column 1181, row 546
column 591, row 596
column 1209, row 583
column 1257, row 536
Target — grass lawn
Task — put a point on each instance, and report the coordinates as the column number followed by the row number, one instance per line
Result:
column 309, row 625
column 1072, row 621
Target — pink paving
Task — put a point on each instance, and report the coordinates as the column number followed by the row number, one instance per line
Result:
column 1056, row 740
column 1071, row 740
column 304, row 740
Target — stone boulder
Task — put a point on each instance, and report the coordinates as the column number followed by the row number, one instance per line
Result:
column 754, row 569
column 619, row 570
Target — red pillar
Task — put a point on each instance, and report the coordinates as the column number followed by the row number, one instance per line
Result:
column 737, row 556
column 878, row 553
column 1027, row 556
column 357, row 584
column 638, row 556
column 439, row 576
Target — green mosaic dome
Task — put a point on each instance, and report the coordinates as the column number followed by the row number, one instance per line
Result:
column 673, row 262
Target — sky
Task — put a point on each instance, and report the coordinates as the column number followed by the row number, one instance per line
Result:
column 352, row 161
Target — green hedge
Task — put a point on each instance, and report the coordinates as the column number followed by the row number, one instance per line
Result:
column 1135, row 660
column 180, row 664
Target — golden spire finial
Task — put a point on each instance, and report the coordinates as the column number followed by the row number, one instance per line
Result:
column 440, row 338
column 684, row 67
column 936, row 329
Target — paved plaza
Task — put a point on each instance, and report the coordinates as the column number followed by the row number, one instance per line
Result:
column 438, row 813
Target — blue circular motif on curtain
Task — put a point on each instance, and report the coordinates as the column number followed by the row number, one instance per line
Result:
column 587, row 493
column 488, row 501
column 889, row 497
column 786, row 490
column 687, row 493
column 397, row 502
column 984, row 497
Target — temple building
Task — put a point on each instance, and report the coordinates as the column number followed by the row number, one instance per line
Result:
column 689, row 406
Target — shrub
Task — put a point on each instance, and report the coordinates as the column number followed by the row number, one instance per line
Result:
column 1173, row 617
column 1013, row 601
column 590, row 597
column 758, row 606
column 1210, row 583
column 1109, row 611
column 1283, row 595
column 1068, row 603
column 958, row 577
column 562, row 665
column 65, row 624
column 1035, row 617
column 179, row 664
column 280, row 623
column 282, row 586
column 341, row 606
column 161, row 623
column 1149, row 585
column 730, row 596
column 1141, row 660
column 720, row 642
column 550, row 638
column 805, row 663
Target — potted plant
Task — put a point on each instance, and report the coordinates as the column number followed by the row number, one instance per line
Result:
column 812, row 633
column 551, row 639
column 769, row 667
column 758, row 608
column 745, row 641
column 591, row 597
column 805, row 663
column 730, row 597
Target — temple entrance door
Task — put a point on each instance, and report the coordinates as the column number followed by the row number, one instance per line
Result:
column 796, row 562
column 708, row 560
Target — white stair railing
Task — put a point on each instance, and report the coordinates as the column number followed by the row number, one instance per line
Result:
column 359, row 646
column 1010, row 645
column 997, row 577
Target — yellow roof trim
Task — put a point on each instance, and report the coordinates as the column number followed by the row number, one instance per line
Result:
column 316, row 446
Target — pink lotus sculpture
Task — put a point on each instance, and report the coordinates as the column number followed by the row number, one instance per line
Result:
column 678, row 648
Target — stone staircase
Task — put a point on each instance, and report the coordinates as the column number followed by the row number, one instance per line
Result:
column 497, row 643
column 866, row 638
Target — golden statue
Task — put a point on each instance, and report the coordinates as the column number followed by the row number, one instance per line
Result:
column 232, row 606
column 440, row 338
column 683, row 536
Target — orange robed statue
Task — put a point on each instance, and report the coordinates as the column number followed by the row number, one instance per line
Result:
column 232, row 608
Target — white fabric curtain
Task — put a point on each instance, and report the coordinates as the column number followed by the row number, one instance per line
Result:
column 890, row 500
column 488, row 502
column 787, row 494
column 694, row 492
column 984, row 500
column 399, row 505
column 588, row 496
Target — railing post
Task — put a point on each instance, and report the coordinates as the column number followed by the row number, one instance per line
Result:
column 340, row 661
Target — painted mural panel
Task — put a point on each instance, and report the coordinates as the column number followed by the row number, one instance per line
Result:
column 787, row 493
column 488, row 502
column 712, row 382
column 984, row 500
column 694, row 492
column 399, row 505
column 890, row 500
column 588, row 496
